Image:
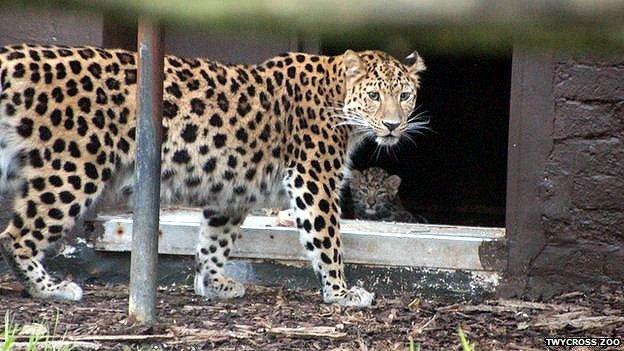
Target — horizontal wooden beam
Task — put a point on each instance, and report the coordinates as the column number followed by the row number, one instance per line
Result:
column 371, row 243
column 445, row 23
column 366, row 12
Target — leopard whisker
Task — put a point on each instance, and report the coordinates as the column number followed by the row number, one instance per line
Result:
column 355, row 118
column 347, row 115
column 378, row 151
column 350, row 123
column 409, row 138
column 418, row 127
column 393, row 151
column 361, row 129
column 422, row 117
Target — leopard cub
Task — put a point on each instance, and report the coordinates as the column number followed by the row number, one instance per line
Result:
column 375, row 197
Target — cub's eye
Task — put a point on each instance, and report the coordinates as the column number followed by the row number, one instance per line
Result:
column 373, row 95
column 405, row 95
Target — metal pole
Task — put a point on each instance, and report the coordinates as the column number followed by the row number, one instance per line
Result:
column 142, row 303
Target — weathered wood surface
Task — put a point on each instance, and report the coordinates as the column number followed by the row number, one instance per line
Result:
column 458, row 24
column 393, row 244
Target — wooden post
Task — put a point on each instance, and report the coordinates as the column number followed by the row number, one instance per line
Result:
column 144, row 257
column 530, row 119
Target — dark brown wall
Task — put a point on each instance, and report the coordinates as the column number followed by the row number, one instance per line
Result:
column 188, row 42
column 227, row 48
column 49, row 27
column 566, row 229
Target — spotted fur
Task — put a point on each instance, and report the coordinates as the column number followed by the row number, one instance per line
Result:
column 375, row 195
column 234, row 137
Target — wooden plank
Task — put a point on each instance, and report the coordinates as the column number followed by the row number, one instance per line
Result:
column 531, row 119
column 373, row 243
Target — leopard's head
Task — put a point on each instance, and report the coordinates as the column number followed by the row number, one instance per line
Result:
column 381, row 95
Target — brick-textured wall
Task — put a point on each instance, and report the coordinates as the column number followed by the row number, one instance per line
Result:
column 582, row 192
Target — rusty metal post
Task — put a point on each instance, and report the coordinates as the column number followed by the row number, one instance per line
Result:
column 142, row 303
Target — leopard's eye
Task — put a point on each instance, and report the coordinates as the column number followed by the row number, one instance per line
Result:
column 405, row 95
column 373, row 95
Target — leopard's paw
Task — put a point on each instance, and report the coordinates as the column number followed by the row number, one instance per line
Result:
column 218, row 288
column 66, row 290
column 355, row 296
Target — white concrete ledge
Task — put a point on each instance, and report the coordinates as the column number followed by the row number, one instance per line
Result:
column 365, row 242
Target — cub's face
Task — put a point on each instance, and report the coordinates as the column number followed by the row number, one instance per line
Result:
column 381, row 95
column 373, row 191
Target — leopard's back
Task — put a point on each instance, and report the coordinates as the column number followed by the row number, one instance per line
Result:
column 61, row 108
column 74, row 107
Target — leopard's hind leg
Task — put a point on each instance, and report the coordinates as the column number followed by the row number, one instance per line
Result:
column 53, row 194
column 23, row 244
column 217, row 234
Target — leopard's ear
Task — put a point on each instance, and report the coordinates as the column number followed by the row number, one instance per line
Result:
column 355, row 69
column 392, row 184
column 415, row 65
column 356, row 178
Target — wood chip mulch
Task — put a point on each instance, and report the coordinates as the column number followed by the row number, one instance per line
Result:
column 291, row 319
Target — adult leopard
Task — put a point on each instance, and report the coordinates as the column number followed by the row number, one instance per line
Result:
column 234, row 137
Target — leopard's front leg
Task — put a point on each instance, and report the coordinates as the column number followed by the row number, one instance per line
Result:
column 317, row 213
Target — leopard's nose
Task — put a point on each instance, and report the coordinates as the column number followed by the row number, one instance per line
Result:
column 391, row 125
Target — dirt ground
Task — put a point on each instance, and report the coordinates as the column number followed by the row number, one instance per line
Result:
column 291, row 319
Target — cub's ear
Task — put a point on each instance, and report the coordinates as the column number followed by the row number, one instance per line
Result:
column 416, row 65
column 356, row 178
column 392, row 184
column 353, row 65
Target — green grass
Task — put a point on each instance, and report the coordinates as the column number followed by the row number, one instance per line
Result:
column 9, row 333
column 35, row 341
column 413, row 347
column 465, row 343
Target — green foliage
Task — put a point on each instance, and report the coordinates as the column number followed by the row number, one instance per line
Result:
column 36, row 341
column 465, row 343
column 413, row 346
column 33, row 342
column 9, row 333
